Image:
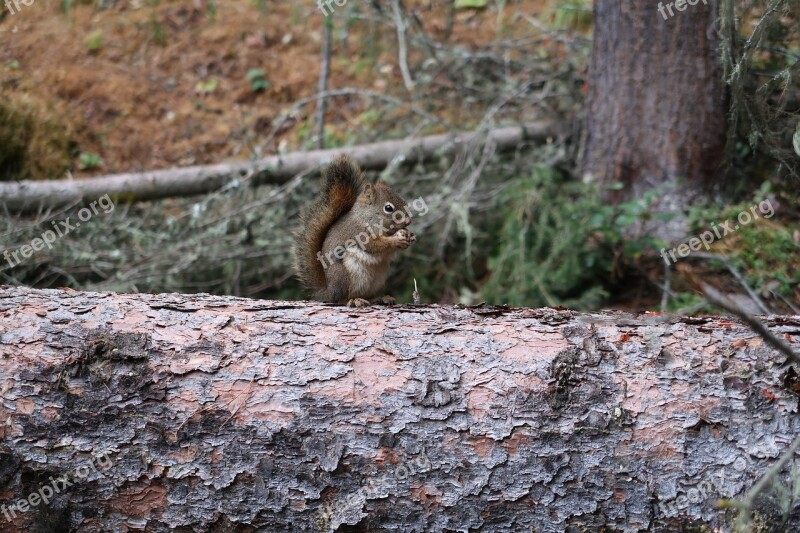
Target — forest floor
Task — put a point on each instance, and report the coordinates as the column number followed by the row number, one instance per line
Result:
column 143, row 85
column 132, row 85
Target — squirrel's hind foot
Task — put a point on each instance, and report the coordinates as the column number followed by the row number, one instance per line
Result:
column 385, row 300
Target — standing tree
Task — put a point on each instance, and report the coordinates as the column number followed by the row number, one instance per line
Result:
column 657, row 103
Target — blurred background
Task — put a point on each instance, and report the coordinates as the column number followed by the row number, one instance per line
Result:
column 652, row 129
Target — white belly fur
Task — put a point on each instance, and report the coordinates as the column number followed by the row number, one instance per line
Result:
column 368, row 272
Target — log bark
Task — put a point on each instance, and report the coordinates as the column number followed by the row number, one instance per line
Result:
column 201, row 413
column 28, row 196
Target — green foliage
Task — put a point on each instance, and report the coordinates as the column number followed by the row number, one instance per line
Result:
column 297, row 15
column 94, row 41
column 66, row 7
column 574, row 15
column 307, row 136
column 89, row 161
column 560, row 243
column 205, row 87
column 158, row 32
column 211, row 10
column 260, row 4
column 258, row 80
column 763, row 250
column 688, row 303
column 471, row 4
column 768, row 255
column 369, row 118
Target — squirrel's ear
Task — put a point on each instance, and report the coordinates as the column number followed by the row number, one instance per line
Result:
column 368, row 194
column 382, row 185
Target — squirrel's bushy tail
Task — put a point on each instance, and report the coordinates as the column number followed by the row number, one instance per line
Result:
column 342, row 182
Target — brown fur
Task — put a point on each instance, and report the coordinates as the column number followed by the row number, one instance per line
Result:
column 342, row 185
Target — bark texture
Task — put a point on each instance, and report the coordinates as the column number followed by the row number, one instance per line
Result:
column 26, row 196
column 227, row 414
column 657, row 103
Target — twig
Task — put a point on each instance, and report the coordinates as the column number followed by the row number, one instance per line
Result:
column 401, row 45
column 278, row 194
column 665, row 293
column 215, row 405
column 323, row 80
column 720, row 300
column 781, row 51
column 749, row 500
column 349, row 91
column 789, row 304
column 753, row 296
column 764, row 481
column 489, row 148
column 755, row 36
column 249, row 389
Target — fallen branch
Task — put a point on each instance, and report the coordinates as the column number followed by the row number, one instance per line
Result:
column 27, row 196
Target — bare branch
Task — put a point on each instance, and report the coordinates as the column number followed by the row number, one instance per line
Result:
column 30, row 196
column 401, row 45
column 323, row 80
column 753, row 296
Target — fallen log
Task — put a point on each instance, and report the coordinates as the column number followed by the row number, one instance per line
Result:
column 27, row 196
column 200, row 413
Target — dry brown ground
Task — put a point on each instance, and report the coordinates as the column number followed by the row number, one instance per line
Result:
column 136, row 96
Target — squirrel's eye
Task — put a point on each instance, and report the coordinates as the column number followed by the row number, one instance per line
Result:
column 388, row 208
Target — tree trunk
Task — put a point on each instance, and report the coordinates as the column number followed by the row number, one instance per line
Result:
column 30, row 196
column 201, row 413
column 657, row 104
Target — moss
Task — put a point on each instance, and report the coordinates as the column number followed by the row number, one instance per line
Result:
column 763, row 248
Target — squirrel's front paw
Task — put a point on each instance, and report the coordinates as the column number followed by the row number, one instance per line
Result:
column 358, row 302
column 404, row 238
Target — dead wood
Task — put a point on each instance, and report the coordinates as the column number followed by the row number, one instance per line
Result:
column 27, row 196
column 204, row 413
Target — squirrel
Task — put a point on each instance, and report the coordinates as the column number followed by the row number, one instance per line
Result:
column 349, row 236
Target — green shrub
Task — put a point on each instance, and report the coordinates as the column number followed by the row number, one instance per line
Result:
column 561, row 243
column 764, row 250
